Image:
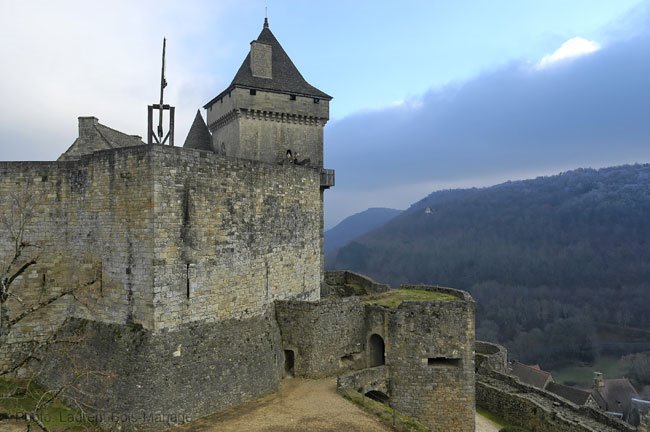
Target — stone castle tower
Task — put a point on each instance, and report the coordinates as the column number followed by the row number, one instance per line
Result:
column 202, row 268
column 269, row 110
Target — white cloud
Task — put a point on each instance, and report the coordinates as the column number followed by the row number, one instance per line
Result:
column 67, row 59
column 574, row 47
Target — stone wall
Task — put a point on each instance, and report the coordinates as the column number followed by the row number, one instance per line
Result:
column 232, row 236
column 92, row 220
column 328, row 337
column 491, row 356
column 170, row 235
column 430, row 352
column 342, row 283
column 365, row 380
column 146, row 380
column 537, row 409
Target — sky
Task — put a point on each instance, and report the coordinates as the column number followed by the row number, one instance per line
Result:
column 428, row 95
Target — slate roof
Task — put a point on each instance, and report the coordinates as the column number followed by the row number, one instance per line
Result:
column 286, row 77
column 530, row 375
column 572, row 394
column 97, row 137
column 616, row 394
column 199, row 136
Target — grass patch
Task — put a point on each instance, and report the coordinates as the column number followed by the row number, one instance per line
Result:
column 356, row 288
column 385, row 413
column 492, row 417
column 22, row 396
column 393, row 298
column 583, row 375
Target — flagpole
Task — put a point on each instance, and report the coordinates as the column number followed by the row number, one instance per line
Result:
column 163, row 84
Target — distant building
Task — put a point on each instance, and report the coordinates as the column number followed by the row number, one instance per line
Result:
column 531, row 375
column 576, row 395
column 614, row 396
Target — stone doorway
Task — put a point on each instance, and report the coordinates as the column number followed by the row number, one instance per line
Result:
column 376, row 355
column 289, row 363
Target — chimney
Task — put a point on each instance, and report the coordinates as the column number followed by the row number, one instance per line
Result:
column 87, row 127
column 261, row 65
column 599, row 383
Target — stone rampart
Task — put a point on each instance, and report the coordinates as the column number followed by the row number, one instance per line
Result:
column 537, row 409
column 167, row 235
column 341, row 283
column 137, row 379
column 490, row 356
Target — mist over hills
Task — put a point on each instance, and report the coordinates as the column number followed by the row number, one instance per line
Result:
column 550, row 261
column 357, row 225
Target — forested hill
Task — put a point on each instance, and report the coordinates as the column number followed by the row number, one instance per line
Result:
column 357, row 225
column 584, row 228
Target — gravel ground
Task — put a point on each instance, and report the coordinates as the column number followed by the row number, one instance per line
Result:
column 301, row 405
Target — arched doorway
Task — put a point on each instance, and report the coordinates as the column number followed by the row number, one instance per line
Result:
column 378, row 396
column 376, row 351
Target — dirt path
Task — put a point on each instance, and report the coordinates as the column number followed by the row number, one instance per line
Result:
column 300, row 405
column 484, row 424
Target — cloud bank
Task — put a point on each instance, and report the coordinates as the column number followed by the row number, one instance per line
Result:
column 515, row 122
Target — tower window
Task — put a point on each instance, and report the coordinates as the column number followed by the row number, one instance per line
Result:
column 316, row 100
column 187, row 281
column 444, row 362
column 221, row 100
column 253, row 92
column 292, row 97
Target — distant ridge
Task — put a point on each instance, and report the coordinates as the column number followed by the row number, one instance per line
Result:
column 357, row 225
column 581, row 228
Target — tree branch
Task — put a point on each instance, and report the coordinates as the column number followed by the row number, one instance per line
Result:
column 41, row 305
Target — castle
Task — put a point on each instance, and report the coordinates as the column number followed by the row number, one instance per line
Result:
column 202, row 268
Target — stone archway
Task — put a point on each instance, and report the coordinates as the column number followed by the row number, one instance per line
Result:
column 378, row 396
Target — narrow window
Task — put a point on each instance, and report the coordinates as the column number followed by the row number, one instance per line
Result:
column 253, row 92
column 221, row 100
column 101, row 278
column 444, row 362
column 187, row 280
column 292, row 97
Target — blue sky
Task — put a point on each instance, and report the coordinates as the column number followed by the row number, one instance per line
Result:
column 427, row 94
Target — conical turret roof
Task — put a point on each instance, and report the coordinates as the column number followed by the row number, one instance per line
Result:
column 199, row 136
column 286, row 77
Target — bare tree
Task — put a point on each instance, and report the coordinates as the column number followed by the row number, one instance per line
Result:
column 17, row 213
